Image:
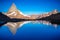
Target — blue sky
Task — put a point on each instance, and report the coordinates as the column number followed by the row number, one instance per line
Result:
column 31, row 6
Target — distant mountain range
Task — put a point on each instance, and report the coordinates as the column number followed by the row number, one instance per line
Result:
column 54, row 18
column 13, row 12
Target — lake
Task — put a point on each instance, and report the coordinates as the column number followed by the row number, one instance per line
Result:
column 31, row 31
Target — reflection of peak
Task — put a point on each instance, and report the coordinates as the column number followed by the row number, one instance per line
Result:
column 14, row 26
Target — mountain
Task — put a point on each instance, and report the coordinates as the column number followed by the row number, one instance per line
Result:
column 47, row 14
column 53, row 19
column 36, row 16
column 55, row 11
column 13, row 12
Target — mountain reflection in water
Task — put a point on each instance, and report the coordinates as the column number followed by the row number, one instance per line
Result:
column 38, row 22
column 25, row 22
column 44, row 22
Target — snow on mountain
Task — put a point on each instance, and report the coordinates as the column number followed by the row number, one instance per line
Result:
column 14, row 12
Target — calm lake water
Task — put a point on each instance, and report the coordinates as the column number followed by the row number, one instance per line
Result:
column 31, row 31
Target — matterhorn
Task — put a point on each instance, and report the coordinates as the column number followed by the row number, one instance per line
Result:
column 13, row 12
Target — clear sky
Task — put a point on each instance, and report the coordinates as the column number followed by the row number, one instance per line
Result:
column 31, row 6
